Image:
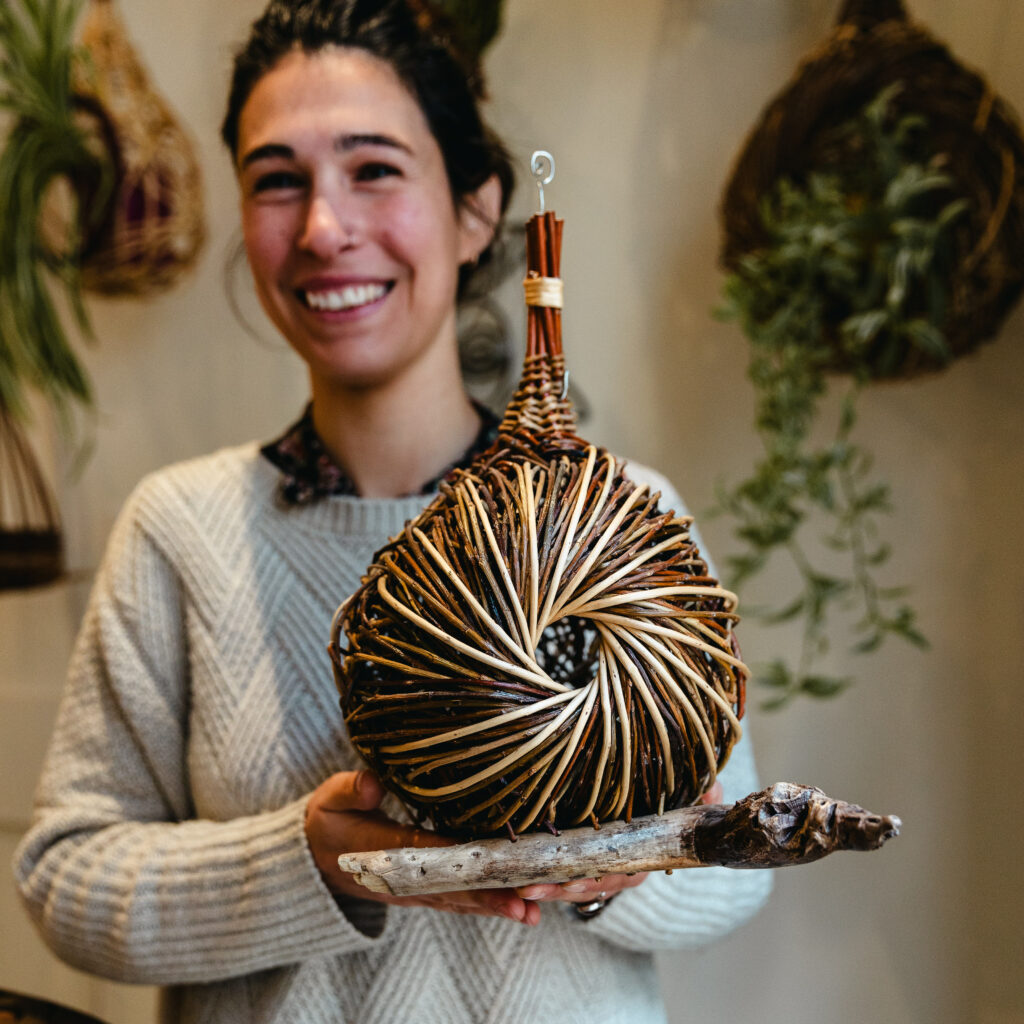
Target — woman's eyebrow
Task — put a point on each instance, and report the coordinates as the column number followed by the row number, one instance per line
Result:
column 345, row 143
column 342, row 144
column 269, row 151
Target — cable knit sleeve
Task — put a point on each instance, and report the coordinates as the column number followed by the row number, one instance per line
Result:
column 693, row 907
column 116, row 871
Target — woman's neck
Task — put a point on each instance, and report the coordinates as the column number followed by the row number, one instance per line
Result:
column 391, row 440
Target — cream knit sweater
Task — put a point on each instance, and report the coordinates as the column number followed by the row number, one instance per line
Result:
column 167, row 845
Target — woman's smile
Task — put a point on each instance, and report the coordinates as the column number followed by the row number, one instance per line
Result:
column 328, row 296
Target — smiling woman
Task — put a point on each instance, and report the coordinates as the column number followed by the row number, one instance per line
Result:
column 199, row 766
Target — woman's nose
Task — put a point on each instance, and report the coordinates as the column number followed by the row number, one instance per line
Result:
column 328, row 227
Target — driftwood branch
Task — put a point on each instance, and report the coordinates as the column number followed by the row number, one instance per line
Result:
column 783, row 825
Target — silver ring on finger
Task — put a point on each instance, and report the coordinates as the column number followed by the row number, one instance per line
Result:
column 593, row 907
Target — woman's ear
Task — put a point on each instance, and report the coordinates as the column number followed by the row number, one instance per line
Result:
column 479, row 214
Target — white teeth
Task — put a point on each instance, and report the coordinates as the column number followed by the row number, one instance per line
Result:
column 345, row 298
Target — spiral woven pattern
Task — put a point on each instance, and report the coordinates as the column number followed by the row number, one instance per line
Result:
column 542, row 646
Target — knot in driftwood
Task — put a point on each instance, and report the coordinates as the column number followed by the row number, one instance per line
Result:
column 787, row 824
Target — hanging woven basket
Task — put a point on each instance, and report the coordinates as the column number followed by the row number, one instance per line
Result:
column 542, row 646
column 154, row 226
column 31, row 547
column 875, row 45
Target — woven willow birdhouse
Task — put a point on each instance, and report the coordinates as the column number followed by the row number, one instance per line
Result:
column 543, row 645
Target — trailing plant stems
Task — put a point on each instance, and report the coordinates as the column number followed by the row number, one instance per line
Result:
column 875, row 620
column 848, row 506
column 851, row 278
column 862, row 578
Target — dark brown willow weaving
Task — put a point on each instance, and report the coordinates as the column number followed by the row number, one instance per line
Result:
column 542, row 646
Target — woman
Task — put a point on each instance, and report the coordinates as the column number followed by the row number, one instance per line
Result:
column 199, row 787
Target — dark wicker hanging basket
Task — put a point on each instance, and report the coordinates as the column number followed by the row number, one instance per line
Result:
column 31, row 548
column 542, row 646
column 875, row 45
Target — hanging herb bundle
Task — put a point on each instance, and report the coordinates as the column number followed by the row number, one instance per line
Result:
column 46, row 144
column 851, row 275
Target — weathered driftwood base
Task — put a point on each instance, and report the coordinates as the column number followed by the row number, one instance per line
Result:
column 783, row 825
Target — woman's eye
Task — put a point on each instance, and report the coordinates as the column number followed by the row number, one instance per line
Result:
column 276, row 181
column 375, row 171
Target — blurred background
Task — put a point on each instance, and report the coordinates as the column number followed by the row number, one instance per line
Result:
column 645, row 106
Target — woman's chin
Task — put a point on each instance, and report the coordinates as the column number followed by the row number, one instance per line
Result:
column 361, row 377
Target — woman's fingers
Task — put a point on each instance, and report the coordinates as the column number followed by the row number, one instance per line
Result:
column 582, row 890
column 350, row 791
column 713, row 795
column 343, row 816
column 482, row 902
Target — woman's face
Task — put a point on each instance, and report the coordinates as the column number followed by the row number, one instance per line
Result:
column 350, row 228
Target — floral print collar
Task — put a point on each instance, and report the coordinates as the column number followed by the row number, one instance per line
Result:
column 308, row 471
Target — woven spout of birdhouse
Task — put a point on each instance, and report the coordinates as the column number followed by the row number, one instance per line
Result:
column 543, row 645
column 540, row 408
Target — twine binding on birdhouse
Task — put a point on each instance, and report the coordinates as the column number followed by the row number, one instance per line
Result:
column 873, row 46
column 154, row 227
column 542, row 646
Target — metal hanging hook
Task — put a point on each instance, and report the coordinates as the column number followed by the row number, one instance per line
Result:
column 542, row 167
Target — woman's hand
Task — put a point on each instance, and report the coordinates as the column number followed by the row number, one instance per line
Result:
column 343, row 816
column 586, row 890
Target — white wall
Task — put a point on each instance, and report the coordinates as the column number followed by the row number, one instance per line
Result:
column 644, row 105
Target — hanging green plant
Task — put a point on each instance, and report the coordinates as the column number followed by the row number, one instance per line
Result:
column 875, row 44
column 49, row 144
column 852, row 273
column 883, row 249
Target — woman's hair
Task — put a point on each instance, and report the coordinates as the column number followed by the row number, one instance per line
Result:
column 419, row 45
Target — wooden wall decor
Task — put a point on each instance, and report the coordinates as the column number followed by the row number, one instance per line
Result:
column 99, row 189
column 872, row 231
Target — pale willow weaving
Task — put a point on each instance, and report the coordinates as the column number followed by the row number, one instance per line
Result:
column 542, row 646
